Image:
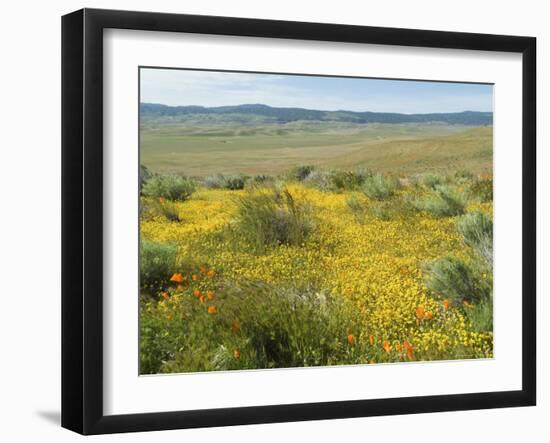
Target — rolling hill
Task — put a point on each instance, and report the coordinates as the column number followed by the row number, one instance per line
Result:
column 259, row 113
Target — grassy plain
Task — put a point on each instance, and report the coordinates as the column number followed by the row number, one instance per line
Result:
column 198, row 149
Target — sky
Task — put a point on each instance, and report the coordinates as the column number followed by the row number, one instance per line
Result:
column 176, row 87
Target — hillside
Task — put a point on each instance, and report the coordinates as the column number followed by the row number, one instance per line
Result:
column 258, row 113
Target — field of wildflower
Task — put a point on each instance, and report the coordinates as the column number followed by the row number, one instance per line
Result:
column 313, row 268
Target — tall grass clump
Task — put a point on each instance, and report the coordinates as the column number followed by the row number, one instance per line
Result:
column 273, row 218
column 154, row 207
column 453, row 279
column 156, row 264
column 477, row 231
column 481, row 315
column 380, row 187
column 173, row 187
column 443, row 202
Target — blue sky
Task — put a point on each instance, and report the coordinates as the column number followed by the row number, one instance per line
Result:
column 204, row 88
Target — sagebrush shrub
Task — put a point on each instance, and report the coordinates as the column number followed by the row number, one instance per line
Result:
column 320, row 179
column 443, row 202
column 259, row 181
column 432, row 180
column 173, row 187
column 214, row 181
column 354, row 203
column 477, row 230
column 144, row 175
column 348, row 180
column 380, row 187
column 235, row 182
column 300, row 173
column 157, row 261
column 453, row 279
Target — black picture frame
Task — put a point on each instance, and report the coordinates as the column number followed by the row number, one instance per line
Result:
column 82, row 219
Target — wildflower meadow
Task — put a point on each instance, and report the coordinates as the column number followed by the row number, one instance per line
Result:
column 314, row 267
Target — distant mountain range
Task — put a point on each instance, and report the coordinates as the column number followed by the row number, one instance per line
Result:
column 154, row 111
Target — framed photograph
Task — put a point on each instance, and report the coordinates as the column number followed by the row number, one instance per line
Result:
column 269, row 221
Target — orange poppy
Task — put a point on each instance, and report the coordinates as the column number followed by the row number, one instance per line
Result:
column 351, row 339
column 210, row 295
column 420, row 312
column 371, row 339
column 211, row 273
column 212, row 309
column 446, row 304
column 429, row 315
column 195, row 277
column 165, row 295
column 409, row 348
column 237, row 354
column 201, row 298
column 387, row 346
column 177, row 278
column 197, row 293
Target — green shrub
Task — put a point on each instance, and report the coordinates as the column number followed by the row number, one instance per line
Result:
column 259, row 181
column 455, row 280
column 383, row 210
column 300, row 173
column 273, row 218
column 380, row 187
column 357, row 206
column 235, row 182
column 477, row 230
column 443, row 202
column 463, row 176
column 354, row 203
column 157, row 262
column 214, row 181
column 173, row 187
column 432, row 181
column 481, row 190
column 320, row 179
column 144, row 175
column 348, row 180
